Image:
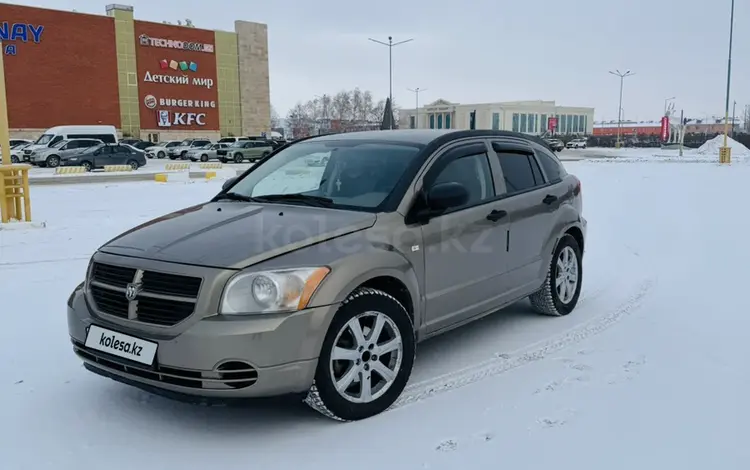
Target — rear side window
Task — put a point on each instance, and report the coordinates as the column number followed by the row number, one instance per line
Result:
column 519, row 172
column 551, row 166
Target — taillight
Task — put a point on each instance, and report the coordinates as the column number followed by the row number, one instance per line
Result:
column 577, row 191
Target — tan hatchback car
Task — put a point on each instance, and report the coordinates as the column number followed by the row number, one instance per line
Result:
column 320, row 281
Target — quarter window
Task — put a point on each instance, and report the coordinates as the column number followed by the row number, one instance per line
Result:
column 552, row 167
column 473, row 172
column 519, row 172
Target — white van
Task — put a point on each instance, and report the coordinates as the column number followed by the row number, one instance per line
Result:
column 53, row 135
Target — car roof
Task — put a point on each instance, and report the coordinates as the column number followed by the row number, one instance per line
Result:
column 425, row 137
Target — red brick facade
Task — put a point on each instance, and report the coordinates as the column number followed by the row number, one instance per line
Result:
column 68, row 77
column 190, row 103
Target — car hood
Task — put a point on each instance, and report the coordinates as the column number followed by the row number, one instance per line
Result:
column 235, row 235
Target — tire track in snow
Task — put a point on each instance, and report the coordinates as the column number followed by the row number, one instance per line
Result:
column 453, row 380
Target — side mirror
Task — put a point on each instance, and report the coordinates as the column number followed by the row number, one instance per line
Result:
column 228, row 183
column 444, row 196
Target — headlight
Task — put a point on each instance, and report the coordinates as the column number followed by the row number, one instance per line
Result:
column 284, row 290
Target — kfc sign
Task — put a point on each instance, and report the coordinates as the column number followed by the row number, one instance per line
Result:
column 169, row 119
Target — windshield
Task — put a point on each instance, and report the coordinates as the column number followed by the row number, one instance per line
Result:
column 186, row 142
column 207, row 147
column 239, row 143
column 355, row 175
column 44, row 139
column 173, row 144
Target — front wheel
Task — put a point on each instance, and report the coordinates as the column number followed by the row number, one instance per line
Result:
column 223, row 160
column 204, row 158
column 14, row 159
column 53, row 161
column 238, row 158
column 366, row 359
column 562, row 286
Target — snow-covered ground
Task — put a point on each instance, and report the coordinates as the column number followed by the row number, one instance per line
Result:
column 649, row 372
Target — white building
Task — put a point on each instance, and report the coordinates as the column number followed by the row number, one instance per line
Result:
column 530, row 117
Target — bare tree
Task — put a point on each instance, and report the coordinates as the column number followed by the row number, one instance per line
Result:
column 345, row 111
column 275, row 120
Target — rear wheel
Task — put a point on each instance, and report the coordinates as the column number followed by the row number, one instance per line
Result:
column 366, row 359
column 204, row 158
column 133, row 164
column 562, row 286
column 160, row 154
column 87, row 166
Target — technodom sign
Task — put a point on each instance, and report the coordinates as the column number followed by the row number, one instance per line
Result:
column 146, row 40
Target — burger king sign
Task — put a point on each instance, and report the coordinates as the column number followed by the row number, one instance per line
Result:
column 149, row 101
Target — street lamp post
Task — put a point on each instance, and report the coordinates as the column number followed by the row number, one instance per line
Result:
column 416, row 92
column 725, row 153
column 619, row 108
column 390, row 45
column 666, row 101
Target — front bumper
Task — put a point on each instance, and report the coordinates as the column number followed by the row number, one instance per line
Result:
column 277, row 354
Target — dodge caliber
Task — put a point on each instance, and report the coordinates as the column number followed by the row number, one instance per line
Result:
column 319, row 281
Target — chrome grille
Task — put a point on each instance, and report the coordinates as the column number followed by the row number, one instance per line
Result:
column 150, row 297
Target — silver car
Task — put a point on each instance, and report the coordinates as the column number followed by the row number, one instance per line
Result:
column 320, row 281
column 180, row 151
column 61, row 151
column 205, row 153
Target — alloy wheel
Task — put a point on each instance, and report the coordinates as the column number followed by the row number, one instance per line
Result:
column 366, row 357
column 566, row 275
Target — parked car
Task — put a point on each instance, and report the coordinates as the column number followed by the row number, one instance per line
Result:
column 98, row 157
column 161, row 149
column 53, row 156
column 323, row 289
column 240, row 151
column 53, row 135
column 16, row 153
column 139, row 144
column 555, row 144
column 180, row 151
column 205, row 153
column 231, row 140
column 136, row 150
column 576, row 144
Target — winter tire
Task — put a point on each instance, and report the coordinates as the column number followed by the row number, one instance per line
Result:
column 562, row 286
column 53, row 161
column 366, row 359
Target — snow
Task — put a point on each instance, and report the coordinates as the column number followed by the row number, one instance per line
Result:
column 712, row 147
column 648, row 372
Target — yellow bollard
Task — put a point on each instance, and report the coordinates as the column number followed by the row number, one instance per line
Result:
column 210, row 175
column 160, row 177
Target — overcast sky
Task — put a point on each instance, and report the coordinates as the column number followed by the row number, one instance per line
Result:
column 490, row 50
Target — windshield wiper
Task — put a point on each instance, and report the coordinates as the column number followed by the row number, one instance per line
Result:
column 231, row 196
column 317, row 201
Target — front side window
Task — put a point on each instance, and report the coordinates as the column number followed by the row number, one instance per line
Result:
column 357, row 175
column 473, row 173
column 519, row 172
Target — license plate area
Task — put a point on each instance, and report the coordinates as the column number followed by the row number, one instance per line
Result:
column 121, row 345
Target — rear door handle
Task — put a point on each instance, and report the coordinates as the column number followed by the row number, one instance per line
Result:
column 496, row 215
column 549, row 199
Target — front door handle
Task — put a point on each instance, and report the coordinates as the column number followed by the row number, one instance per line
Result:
column 496, row 215
column 549, row 199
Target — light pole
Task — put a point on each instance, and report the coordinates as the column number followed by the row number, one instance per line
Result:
column 390, row 45
column 416, row 92
column 619, row 108
column 666, row 101
column 725, row 153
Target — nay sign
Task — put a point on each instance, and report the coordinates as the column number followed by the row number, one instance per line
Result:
column 15, row 33
column 169, row 119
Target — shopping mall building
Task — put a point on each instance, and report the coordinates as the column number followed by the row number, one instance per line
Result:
column 150, row 80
